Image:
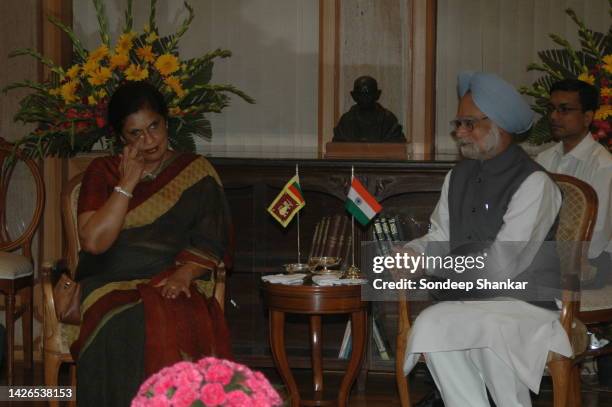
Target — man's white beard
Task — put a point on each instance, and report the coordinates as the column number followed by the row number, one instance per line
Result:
column 491, row 142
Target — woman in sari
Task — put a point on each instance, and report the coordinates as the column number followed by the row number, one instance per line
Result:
column 152, row 224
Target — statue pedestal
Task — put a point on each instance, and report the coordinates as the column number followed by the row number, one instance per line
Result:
column 380, row 151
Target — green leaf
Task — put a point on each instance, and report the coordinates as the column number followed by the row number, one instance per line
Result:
column 184, row 27
column 152, row 12
column 25, row 84
column 201, row 75
column 540, row 132
column 560, row 61
column 76, row 43
column 195, row 63
column 102, row 21
column 45, row 61
column 129, row 18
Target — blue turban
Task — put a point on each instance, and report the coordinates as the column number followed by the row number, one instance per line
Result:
column 498, row 100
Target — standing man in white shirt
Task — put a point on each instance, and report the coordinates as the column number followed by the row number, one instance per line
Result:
column 571, row 109
column 496, row 195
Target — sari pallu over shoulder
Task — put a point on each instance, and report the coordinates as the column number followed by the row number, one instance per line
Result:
column 179, row 217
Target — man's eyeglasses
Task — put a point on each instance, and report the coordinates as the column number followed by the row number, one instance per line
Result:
column 561, row 109
column 467, row 122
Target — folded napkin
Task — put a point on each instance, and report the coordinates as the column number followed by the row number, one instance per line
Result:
column 336, row 280
column 284, row 278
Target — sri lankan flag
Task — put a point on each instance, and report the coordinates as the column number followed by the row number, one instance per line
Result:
column 288, row 202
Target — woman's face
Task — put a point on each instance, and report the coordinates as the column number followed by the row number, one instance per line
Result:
column 147, row 130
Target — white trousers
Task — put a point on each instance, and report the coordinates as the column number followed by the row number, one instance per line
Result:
column 461, row 377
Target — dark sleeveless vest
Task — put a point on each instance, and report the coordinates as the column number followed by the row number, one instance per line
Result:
column 478, row 197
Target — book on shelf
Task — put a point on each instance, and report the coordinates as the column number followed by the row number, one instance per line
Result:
column 379, row 341
column 379, row 236
column 384, row 223
column 347, row 343
column 341, row 238
column 333, row 237
column 396, row 231
column 315, row 239
column 345, row 346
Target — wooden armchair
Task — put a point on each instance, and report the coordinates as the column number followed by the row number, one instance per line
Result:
column 17, row 269
column 57, row 335
column 576, row 221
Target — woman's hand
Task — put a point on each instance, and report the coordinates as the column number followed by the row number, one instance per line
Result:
column 131, row 166
column 99, row 229
column 179, row 282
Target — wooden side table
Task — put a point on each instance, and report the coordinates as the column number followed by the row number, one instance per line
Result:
column 316, row 301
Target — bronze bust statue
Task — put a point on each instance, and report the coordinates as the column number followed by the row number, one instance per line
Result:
column 367, row 121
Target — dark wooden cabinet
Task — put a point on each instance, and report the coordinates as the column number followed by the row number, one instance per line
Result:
column 407, row 190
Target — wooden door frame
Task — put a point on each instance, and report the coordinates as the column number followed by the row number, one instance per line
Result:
column 56, row 45
column 421, row 103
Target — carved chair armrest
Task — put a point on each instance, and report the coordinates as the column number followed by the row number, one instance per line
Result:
column 50, row 272
column 570, row 300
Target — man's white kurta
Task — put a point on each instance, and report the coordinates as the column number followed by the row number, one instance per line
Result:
column 519, row 333
column 590, row 162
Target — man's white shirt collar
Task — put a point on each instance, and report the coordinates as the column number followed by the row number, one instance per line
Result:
column 582, row 151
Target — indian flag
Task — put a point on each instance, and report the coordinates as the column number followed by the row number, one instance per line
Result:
column 360, row 203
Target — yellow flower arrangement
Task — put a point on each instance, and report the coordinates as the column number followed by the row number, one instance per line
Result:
column 69, row 110
column 174, row 83
column 151, row 38
column 585, row 77
column 592, row 63
column 167, row 64
column 607, row 64
column 604, row 112
column 73, row 72
column 68, row 91
column 124, row 44
column 90, row 66
column 136, row 73
column 119, row 61
column 98, row 54
column 146, row 53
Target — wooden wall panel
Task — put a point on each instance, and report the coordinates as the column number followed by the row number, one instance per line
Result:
column 329, row 71
column 57, row 46
column 18, row 29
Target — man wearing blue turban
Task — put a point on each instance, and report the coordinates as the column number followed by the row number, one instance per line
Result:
column 495, row 194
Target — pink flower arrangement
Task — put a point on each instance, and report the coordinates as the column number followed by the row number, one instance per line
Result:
column 207, row 383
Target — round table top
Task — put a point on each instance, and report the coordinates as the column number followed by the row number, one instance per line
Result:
column 313, row 299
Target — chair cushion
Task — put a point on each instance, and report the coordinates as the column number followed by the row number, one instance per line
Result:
column 14, row 266
column 595, row 300
column 69, row 334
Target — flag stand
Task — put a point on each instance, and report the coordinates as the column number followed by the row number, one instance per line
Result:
column 353, row 272
column 299, row 254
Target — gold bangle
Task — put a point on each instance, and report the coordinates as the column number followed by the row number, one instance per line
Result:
column 123, row 192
